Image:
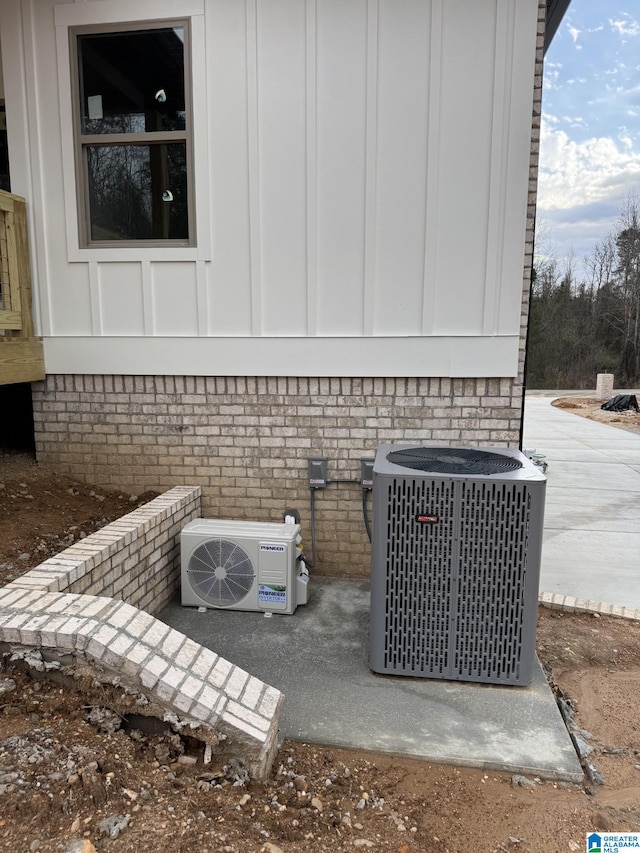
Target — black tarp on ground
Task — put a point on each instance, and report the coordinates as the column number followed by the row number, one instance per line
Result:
column 621, row 403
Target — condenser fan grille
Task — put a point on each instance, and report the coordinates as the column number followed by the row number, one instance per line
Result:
column 220, row 572
column 453, row 460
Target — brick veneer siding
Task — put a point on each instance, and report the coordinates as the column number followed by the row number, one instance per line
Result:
column 245, row 441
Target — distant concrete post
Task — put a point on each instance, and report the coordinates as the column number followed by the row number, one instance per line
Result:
column 604, row 386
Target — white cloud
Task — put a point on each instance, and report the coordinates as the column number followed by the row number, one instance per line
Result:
column 625, row 26
column 626, row 140
column 573, row 32
column 551, row 77
column 574, row 121
column 575, row 174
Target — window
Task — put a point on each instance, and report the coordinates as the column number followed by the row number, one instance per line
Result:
column 133, row 153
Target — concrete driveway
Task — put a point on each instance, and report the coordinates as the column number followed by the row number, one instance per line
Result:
column 592, row 519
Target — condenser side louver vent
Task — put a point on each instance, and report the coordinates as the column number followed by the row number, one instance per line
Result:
column 455, row 572
column 417, row 605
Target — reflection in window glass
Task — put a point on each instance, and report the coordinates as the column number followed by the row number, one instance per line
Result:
column 138, row 192
column 132, row 82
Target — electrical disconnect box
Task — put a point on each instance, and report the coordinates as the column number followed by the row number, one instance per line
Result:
column 366, row 473
column 317, row 472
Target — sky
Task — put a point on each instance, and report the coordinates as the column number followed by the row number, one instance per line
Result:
column 590, row 138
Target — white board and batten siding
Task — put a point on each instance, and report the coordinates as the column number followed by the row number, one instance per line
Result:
column 361, row 175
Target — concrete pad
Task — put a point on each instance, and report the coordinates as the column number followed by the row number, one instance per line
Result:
column 319, row 658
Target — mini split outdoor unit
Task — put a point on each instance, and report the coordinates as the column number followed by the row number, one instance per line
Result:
column 457, row 538
column 241, row 565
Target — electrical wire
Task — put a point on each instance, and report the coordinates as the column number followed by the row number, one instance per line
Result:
column 312, row 562
column 364, row 512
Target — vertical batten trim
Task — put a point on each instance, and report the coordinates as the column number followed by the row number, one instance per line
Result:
column 95, row 297
column 371, row 157
column 31, row 107
column 147, row 298
column 501, row 110
column 253, row 131
column 312, row 166
column 202, row 297
column 202, row 192
column 434, row 97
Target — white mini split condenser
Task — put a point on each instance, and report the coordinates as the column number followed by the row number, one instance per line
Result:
column 242, row 565
column 456, row 547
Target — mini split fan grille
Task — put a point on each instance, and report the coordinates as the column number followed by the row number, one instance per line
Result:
column 453, row 460
column 221, row 572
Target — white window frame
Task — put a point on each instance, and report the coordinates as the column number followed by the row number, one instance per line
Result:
column 142, row 12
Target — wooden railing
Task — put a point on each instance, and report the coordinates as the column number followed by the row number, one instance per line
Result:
column 21, row 356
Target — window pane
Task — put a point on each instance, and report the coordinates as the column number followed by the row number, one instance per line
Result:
column 138, row 192
column 132, row 82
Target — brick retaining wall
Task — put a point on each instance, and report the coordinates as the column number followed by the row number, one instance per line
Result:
column 75, row 612
column 136, row 558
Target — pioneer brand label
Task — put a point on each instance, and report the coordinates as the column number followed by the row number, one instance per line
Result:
column 423, row 518
column 271, row 593
column 273, row 548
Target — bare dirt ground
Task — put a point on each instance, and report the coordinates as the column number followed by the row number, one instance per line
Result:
column 589, row 407
column 75, row 777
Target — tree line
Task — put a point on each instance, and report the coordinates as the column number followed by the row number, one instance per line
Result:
column 579, row 327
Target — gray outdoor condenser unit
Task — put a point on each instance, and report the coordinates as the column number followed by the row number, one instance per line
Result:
column 457, row 538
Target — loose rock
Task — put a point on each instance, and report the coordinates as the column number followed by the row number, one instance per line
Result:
column 114, row 825
column 522, row 781
column 80, row 846
column 593, row 773
column 7, row 685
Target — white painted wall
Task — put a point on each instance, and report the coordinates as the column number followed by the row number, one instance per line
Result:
column 362, row 170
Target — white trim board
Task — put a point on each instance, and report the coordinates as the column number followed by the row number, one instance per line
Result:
column 118, row 11
column 452, row 357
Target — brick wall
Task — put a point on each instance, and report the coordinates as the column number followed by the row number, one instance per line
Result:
column 245, row 441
